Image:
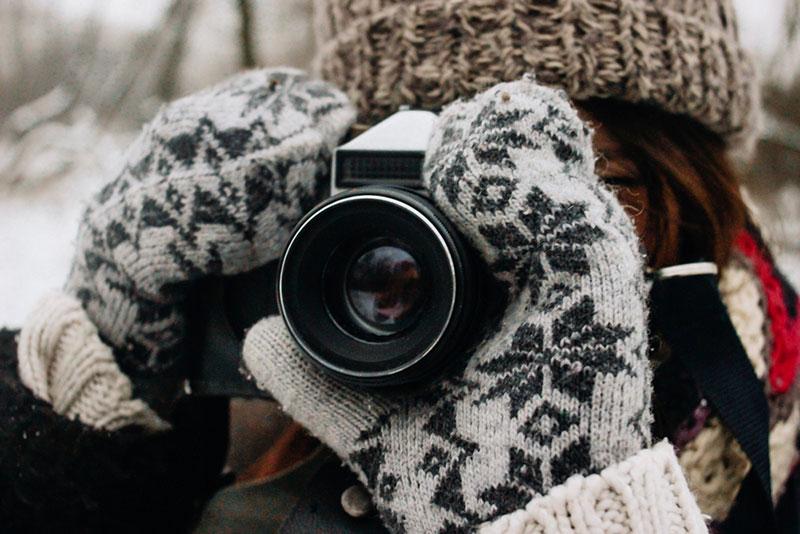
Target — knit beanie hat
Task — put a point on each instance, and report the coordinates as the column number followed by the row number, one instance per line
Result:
column 682, row 55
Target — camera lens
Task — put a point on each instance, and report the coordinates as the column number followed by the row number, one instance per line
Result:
column 384, row 289
column 376, row 287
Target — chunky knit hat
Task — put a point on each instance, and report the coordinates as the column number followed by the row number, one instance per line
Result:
column 681, row 55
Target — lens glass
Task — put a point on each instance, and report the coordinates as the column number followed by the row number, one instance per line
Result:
column 384, row 289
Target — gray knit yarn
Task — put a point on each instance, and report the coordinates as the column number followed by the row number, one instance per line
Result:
column 683, row 56
column 561, row 388
column 213, row 185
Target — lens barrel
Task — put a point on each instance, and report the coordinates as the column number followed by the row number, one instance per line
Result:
column 377, row 287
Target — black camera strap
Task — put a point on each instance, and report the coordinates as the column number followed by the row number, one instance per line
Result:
column 689, row 313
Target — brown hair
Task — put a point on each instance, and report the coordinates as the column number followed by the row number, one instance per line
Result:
column 694, row 207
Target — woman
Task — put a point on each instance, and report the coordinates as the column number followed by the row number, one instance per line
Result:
column 663, row 152
column 684, row 197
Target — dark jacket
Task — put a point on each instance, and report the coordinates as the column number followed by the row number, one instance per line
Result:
column 58, row 475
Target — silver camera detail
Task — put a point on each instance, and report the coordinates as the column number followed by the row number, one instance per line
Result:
column 392, row 152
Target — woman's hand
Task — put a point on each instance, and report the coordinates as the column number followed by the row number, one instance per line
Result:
column 212, row 186
column 561, row 387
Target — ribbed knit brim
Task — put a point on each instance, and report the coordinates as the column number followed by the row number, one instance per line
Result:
column 681, row 55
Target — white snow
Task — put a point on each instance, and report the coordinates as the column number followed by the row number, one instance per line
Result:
column 38, row 226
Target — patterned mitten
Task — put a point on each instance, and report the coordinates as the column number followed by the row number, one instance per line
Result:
column 212, row 186
column 561, row 387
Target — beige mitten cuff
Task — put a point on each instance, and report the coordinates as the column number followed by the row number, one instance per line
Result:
column 645, row 493
column 63, row 361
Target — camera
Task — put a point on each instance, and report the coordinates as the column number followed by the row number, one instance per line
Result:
column 375, row 285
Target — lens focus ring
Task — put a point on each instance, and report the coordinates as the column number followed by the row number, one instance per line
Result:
column 376, row 286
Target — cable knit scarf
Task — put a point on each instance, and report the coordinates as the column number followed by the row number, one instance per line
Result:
column 764, row 310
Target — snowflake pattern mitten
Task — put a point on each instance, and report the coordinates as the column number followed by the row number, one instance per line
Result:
column 212, row 186
column 561, row 387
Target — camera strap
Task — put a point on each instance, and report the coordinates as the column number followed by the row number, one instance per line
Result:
column 689, row 313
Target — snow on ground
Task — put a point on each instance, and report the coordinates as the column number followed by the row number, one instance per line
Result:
column 38, row 226
column 35, row 239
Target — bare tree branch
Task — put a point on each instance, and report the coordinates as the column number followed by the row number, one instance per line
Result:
column 246, row 34
column 178, row 16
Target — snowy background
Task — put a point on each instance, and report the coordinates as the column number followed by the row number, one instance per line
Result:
column 78, row 78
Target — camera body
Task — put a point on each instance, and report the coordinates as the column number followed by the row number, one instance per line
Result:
column 375, row 284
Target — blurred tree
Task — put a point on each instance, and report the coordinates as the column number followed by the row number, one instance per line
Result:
column 774, row 176
column 246, row 34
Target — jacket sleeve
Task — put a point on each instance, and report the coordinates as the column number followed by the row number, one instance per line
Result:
column 645, row 493
column 57, row 474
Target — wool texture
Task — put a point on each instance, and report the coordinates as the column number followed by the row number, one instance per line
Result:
column 63, row 362
column 60, row 475
column 715, row 467
column 212, row 186
column 646, row 493
column 560, row 387
column 683, row 56
column 783, row 309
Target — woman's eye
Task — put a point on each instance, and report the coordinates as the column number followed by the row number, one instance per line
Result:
column 617, row 171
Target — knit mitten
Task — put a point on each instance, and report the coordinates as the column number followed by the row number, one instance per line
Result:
column 560, row 387
column 212, row 186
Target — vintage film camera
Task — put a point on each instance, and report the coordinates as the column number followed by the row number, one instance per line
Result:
column 375, row 285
